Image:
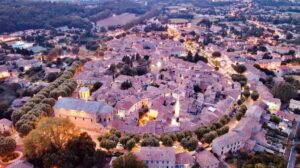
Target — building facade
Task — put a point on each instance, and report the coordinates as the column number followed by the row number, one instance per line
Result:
column 155, row 157
column 91, row 115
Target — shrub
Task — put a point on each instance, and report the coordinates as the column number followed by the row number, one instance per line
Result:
column 189, row 143
column 255, row 95
column 284, row 91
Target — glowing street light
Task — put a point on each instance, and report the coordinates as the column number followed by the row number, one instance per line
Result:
column 158, row 64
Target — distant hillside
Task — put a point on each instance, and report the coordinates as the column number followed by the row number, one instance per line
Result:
column 16, row 15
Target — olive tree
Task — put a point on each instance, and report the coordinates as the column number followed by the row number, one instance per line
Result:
column 7, row 146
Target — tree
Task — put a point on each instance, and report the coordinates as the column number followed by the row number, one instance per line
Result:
column 126, row 85
column 150, row 141
column 79, row 150
column 217, row 125
column 289, row 36
column 201, row 131
column 243, row 109
column 128, row 160
column 125, row 139
column 7, row 146
column 223, row 130
column 291, row 52
column 216, row 54
column 196, row 165
column 113, row 70
column 110, row 139
column 49, row 101
column 239, row 78
column 189, row 143
column 225, row 119
column 240, row 68
column 56, row 158
column 275, row 119
column 52, row 76
column 187, row 133
column 239, row 116
column 108, row 144
column 190, row 57
column 209, row 137
column 180, row 136
column 83, row 148
column 167, row 140
column 284, row 91
column 130, row 144
column 96, row 86
column 246, row 93
column 50, row 132
column 255, row 95
column 197, row 88
column 100, row 158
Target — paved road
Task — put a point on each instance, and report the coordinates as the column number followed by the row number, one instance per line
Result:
column 293, row 153
column 292, row 158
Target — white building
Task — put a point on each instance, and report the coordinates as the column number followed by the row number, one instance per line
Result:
column 294, row 104
column 157, row 157
column 207, row 160
column 231, row 141
column 236, row 139
column 165, row 157
column 184, row 160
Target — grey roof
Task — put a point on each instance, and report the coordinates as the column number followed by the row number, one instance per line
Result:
column 93, row 107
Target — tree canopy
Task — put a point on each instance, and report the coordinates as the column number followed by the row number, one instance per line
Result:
column 57, row 142
column 17, row 15
column 7, row 146
column 128, row 160
column 50, row 132
column 284, row 91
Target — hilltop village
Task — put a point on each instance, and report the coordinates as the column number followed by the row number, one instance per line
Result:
column 192, row 86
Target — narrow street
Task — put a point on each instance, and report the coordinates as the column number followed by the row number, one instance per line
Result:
column 293, row 153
